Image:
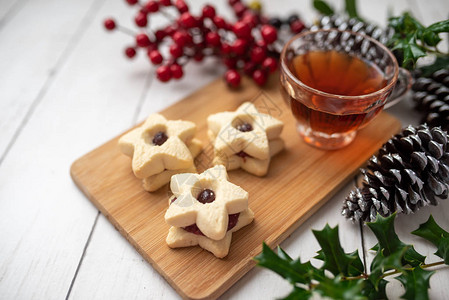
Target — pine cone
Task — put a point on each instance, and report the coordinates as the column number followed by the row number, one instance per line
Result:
column 411, row 170
column 431, row 95
column 353, row 24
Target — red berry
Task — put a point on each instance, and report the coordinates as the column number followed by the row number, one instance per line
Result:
column 226, row 48
column 165, row 2
column 241, row 29
column 142, row 40
column 187, row 20
column 163, row 73
column 270, row 64
column 297, row 26
column 169, row 30
column 232, row 77
column 250, row 18
column 151, row 6
column 249, row 68
column 160, row 34
column 269, row 33
column 258, row 54
column 208, row 11
column 132, row 2
column 239, row 46
column 141, row 19
column 213, row 39
column 130, row 52
column 239, row 9
column 230, row 62
column 176, row 50
column 155, row 57
column 109, row 24
column 179, row 38
column 181, row 6
column 232, row 2
column 220, row 22
column 260, row 77
column 176, row 71
column 261, row 44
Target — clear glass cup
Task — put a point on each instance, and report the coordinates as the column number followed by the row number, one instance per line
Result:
column 336, row 82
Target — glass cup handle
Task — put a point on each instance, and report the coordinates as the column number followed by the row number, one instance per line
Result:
column 402, row 86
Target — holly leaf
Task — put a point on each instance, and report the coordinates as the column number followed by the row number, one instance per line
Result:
column 337, row 288
column 432, row 232
column 298, row 294
column 292, row 270
column 389, row 242
column 370, row 291
column 323, row 7
column 416, row 283
column 411, row 38
column 351, row 9
column 382, row 263
column 334, row 257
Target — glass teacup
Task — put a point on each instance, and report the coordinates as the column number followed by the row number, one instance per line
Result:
column 336, row 82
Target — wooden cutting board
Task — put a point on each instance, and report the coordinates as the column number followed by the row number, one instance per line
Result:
column 300, row 180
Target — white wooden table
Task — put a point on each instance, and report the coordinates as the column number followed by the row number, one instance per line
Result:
column 66, row 88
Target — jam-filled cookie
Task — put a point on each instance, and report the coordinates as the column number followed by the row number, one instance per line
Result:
column 159, row 148
column 245, row 138
column 205, row 209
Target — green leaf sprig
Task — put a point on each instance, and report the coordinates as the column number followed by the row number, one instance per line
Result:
column 343, row 276
column 413, row 40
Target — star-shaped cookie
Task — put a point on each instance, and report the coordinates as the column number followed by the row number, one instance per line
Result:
column 158, row 145
column 210, row 217
column 178, row 237
column 245, row 129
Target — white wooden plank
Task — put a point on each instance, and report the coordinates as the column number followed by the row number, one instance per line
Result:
column 9, row 9
column 45, row 219
column 34, row 45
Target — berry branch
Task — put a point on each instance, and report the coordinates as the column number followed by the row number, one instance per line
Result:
column 250, row 45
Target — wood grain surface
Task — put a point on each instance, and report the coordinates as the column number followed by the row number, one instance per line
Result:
column 300, row 180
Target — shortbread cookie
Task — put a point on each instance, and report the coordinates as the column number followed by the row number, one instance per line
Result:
column 158, row 145
column 258, row 167
column 180, row 237
column 206, row 200
column 244, row 133
column 156, row 181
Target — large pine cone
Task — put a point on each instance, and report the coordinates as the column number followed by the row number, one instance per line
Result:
column 411, row 170
column 353, row 24
column 431, row 95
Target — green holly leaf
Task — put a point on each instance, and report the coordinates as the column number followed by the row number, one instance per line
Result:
column 438, row 27
column 382, row 263
column 351, row 9
column 416, row 283
column 411, row 38
column 383, row 229
column 370, row 291
column 292, row 270
column 432, row 232
column 335, row 259
column 336, row 288
column 298, row 294
column 323, row 7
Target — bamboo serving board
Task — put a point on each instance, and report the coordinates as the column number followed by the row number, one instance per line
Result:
column 300, row 180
